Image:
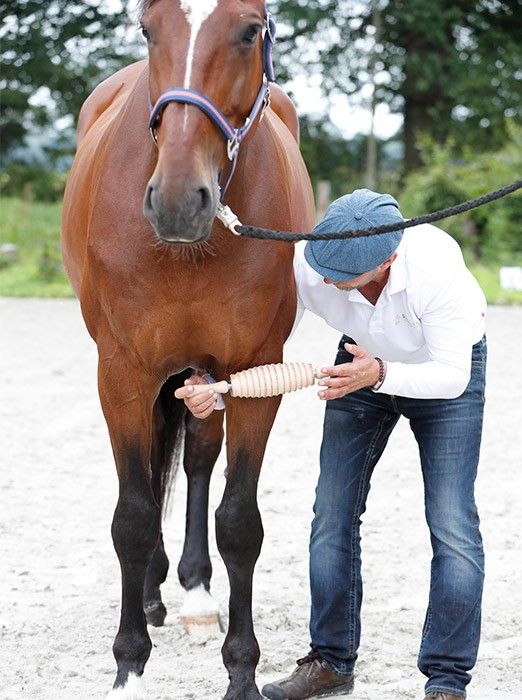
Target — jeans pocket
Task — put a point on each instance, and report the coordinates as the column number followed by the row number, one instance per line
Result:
column 479, row 352
column 478, row 378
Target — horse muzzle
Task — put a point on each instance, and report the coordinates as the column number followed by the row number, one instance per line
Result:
column 183, row 218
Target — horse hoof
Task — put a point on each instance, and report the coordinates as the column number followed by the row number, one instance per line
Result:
column 134, row 689
column 199, row 613
column 252, row 694
column 155, row 613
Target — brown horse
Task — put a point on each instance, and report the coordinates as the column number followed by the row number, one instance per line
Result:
column 166, row 290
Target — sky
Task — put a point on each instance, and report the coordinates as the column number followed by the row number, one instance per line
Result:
column 348, row 117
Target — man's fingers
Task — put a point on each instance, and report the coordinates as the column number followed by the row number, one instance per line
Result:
column 205, row 410
column 195, row 379
column 338, row 370
column 329, row 394
column 355, row 350
column 202, row 416
column 202, row 400
column 335, row 382
column 185, row 392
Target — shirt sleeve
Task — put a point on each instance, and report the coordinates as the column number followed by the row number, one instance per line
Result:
column 300, row 304
column 447, row 324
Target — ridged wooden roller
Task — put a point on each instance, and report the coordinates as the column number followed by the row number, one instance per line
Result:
column 264, row 381
column 272, row 380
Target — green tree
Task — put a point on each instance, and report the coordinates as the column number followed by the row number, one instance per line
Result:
column 451, row 68
column 330, row 156
column 53, row 53
column 489, row 233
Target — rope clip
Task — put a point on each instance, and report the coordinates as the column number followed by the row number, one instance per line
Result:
column 228, row 218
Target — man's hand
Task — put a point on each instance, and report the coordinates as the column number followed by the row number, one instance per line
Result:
column 350, row 376
column 201, row 405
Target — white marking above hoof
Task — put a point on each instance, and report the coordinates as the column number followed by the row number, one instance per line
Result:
column 134, row 689
column 199, row 613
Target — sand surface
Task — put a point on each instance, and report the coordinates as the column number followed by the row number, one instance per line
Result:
column 59, row 577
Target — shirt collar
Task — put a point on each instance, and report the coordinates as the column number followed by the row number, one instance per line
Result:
column 397, row 279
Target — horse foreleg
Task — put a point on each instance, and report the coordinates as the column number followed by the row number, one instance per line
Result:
column 240, row 534
column 127, row 396
column 203, row 439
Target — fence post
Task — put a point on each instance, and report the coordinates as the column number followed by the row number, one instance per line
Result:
column 324, row 193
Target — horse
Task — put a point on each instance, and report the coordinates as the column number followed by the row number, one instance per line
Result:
column 166, row 290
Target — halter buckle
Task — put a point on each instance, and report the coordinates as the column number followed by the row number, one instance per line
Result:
column 266, row 103
column 153, row 134
column 233, row 146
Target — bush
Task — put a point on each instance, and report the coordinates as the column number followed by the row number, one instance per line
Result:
column 490, row 233
column 50, row 262
column 34, row 227
column 32, row 182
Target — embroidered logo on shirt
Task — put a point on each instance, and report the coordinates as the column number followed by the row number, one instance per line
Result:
column 400, row 318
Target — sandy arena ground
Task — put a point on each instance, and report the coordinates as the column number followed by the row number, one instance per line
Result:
column 60, row 583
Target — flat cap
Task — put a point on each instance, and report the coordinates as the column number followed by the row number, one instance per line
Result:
column 348, row 258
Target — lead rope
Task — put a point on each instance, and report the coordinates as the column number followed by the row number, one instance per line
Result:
column 231, row 221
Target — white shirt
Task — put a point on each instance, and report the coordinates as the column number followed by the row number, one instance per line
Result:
column 425, row 322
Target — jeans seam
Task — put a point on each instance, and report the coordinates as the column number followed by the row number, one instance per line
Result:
column 427, row 627
column 357, row 515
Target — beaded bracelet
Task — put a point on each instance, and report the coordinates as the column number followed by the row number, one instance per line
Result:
column 382, row 375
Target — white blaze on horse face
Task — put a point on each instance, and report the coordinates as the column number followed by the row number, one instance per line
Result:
column 196, row 12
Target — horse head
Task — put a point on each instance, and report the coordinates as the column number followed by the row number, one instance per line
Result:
column 213, row 50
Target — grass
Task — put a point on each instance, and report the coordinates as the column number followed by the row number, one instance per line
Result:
column 488, row 278
column 35, row 228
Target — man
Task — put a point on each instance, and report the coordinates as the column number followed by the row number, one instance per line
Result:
column 414, row 319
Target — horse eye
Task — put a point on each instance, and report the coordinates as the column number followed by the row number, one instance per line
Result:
column 250, row 35
column 145, row 32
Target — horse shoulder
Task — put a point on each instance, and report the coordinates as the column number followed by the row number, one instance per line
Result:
column 283, row 106
column 104, row 95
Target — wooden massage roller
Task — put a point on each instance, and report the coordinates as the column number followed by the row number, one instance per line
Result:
column 264, row 381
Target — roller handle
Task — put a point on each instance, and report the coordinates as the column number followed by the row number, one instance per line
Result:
column 218, row 387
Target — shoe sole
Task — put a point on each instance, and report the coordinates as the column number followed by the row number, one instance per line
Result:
column 277, row 693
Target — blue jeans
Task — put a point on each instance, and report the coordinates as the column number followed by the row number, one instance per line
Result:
column 448, row 432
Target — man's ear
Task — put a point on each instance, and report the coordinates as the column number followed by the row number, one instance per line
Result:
column 386, row 264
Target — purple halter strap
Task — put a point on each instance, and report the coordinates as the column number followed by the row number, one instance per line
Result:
column 233, row 136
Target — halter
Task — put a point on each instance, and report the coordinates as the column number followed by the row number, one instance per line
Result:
column 233, row 136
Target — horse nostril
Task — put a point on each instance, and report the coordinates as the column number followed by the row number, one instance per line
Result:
column 147, row 202
column 205, row 199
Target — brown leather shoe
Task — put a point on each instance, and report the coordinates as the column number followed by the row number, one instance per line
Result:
column 312, row 678
column 442, row 696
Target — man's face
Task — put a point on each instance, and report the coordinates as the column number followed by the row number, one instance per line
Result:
column 355, row 282
column 378, row 274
